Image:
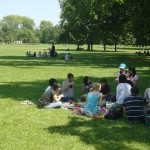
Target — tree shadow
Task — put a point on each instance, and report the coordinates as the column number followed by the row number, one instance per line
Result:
column 90, row 59
column 103, row 134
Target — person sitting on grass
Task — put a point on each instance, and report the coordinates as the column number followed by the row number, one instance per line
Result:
column 93, row 102
column 133, row 76
column 133, row 107
column 68, row 56
column 86, row 87
column 122, row 68
column 50, row 98
column 68, row 89
column 123, row 91
column 147, row 100
column 52, row 81
column 105, row 90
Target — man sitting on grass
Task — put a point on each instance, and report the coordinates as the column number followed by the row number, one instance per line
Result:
column 133, row 106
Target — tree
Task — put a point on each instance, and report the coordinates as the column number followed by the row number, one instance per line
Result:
column 11, row 25
column 47, row 33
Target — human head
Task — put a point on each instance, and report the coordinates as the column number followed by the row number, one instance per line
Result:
column 122, row 78
column 86, row 80
column 96, row 86
column 70, row 76
column 122, row 66
column 132, row 70
column 134, row 91
column 103, row 82
column 55, row 87
column 52, row 81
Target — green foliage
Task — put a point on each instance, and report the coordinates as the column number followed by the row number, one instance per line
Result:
column 111, row 22
column 22, row 28
column 26, row 127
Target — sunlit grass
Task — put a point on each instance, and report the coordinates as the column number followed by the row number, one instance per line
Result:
column 26, row 127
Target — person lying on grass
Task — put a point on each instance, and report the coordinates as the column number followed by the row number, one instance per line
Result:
column 93, row 101
column 50, row 98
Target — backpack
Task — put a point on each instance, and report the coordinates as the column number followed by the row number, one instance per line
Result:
column 114, row 114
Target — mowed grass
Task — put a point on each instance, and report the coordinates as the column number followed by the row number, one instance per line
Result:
column 27, row 128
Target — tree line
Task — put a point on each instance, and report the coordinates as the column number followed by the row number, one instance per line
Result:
column 88, row 22
column 21, row 28
column 110, row 22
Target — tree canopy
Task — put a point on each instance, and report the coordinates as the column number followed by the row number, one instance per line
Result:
column 108, row 22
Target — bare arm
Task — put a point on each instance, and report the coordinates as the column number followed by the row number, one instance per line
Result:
column 57, row 98
column 100, row 101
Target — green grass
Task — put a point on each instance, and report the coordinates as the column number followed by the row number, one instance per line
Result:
column 26, row 127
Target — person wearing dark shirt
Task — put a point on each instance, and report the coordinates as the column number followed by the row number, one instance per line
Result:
column 133, row 107
column 105, row 90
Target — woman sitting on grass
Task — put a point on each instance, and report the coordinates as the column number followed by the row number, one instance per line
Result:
column 93, row 101
column 50, row 98
column 86, row 87
column 133, row 75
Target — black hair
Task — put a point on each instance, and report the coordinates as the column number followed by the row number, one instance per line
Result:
column 52, row 81
column 70, row 75
column 103, row 81
column 132, row 68
column 55, row 87
column 85, row 80
column 122, row 78
column 130, row 82
column 135, row 91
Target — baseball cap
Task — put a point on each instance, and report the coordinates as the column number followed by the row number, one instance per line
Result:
column 122, row 66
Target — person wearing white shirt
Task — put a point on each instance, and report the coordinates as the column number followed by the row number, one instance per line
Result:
column 123, row 91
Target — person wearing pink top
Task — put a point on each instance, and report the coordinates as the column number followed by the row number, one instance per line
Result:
column 133, row 76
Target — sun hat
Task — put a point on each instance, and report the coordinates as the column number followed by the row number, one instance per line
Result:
column 122, row 66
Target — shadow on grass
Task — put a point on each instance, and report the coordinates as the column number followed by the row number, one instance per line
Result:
column 92, row 59
column 104, row 134
column 33, row 90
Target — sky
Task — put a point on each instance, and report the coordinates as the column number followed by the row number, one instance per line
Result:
column 38, row 10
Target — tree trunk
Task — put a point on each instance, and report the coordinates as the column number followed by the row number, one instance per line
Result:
column 91, row 46
column 78, row 47
column 115, row 45
column 88, row 46
column 104, row 51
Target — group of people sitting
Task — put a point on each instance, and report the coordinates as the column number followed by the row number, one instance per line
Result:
column 96, row 101
column 51, row 53
column 145, row 53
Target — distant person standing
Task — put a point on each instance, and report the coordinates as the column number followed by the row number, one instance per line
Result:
column 53, row 52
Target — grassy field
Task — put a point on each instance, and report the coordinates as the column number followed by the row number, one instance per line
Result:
column 27, row 128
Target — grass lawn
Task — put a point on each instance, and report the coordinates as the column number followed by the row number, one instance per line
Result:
column 24, row 127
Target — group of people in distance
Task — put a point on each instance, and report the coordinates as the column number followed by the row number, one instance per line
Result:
column 51, row 53
column 96, row 101
column 145, row 53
